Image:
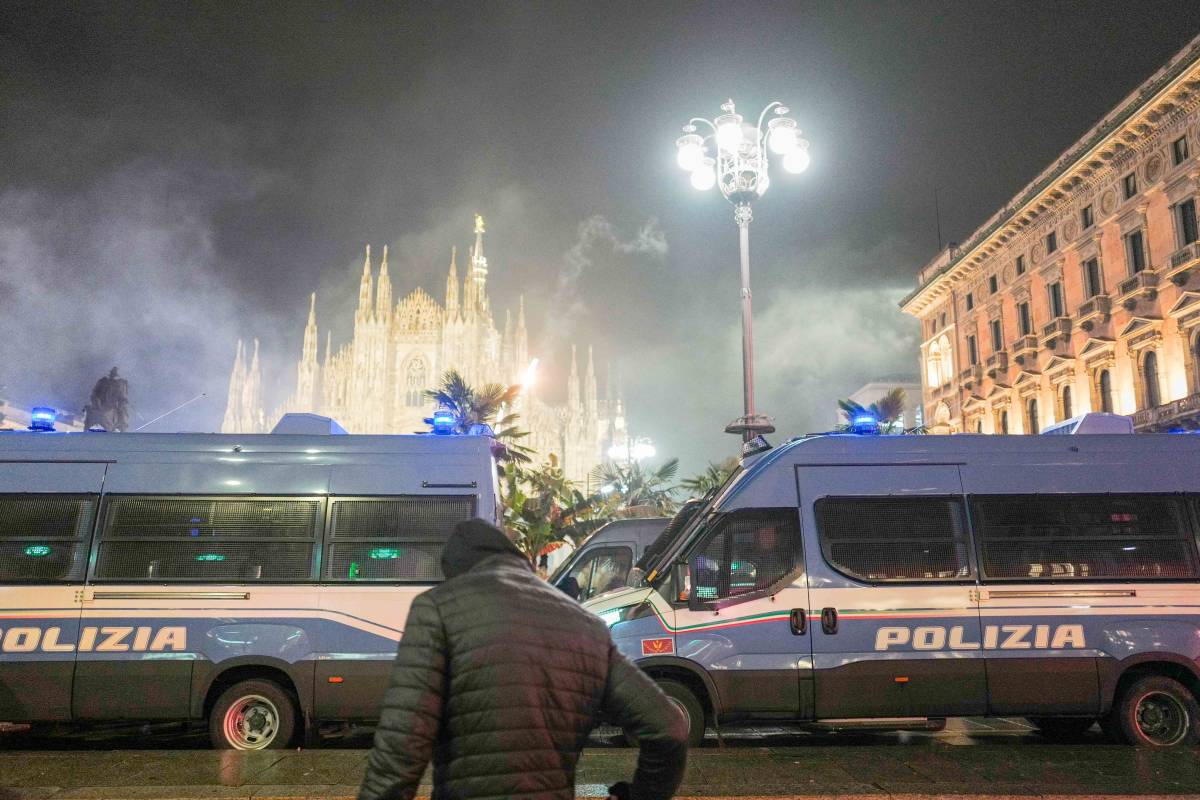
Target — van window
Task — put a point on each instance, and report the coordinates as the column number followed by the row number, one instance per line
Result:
column 392, row 539
column 895, row 539
column 230, row 539
column 44, row 537
column 1083, row 537
column 601, row 570
column 748, row 552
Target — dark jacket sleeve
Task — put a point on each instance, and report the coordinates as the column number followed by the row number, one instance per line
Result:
column 632, row 701
column 412, row 708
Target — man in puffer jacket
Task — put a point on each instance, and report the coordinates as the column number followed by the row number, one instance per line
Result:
column 498, row 680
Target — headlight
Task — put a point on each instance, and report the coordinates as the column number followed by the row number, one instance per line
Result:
column 612, row 617
column 626, row 613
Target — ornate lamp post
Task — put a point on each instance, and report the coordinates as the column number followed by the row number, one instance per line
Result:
column 732, row 155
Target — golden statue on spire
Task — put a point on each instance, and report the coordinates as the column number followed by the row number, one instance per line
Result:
column 479, row 223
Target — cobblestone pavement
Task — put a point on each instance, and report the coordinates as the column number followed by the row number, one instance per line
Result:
column 1005, row 759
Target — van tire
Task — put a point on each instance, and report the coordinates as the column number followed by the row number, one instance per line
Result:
column 1059, row 728
column 687, row 702
column 256, row 714
column 1157, row 711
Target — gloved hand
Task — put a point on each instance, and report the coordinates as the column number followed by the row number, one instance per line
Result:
column 620, row 791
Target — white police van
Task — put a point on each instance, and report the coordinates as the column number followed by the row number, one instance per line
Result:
column 894, row 581
column 258, row 582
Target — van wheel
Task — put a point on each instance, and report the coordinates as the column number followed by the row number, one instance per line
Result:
column 253, row 715
column 1062, row 727
column 693, row 711
column 1157, row 711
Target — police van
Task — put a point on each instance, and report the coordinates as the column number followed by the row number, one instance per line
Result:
column 605, row 560
column 893, row 581
column 256, row 582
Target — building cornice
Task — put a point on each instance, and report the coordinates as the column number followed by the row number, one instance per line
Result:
column 1159, row 102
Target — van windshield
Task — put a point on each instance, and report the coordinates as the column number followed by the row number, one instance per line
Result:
column 667, row 545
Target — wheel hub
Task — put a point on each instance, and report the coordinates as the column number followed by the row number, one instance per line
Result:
column 251, row 723
column 1161, row 718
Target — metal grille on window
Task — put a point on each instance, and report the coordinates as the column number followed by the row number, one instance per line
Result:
column 207, row 539
column 751, row 552
column 44, row 537
column 882, row 539
column 393, row 539
column 1083, row 537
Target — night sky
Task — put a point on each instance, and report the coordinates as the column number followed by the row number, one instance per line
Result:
column 175, row 177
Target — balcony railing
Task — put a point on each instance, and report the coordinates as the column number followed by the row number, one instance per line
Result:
column 1057, row 332
column 997, row 365
column 1183, row 261
column 971, row 375
column 1143, row 285
column 1167, row 413
column 1094, row 312
column 1024, row 349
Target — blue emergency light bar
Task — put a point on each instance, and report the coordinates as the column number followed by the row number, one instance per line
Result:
column 444, row 422
column 42, row 419
column 865, row 425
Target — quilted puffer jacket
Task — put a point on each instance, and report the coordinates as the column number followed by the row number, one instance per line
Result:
column 499, row 678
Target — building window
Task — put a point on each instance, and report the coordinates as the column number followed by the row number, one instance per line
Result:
column 997, row 340
column 1179, row 150
column 1051, row 241
column 1002, row 422
column 1105, row 389
column 1056, row 300
column 1020, row 265
column 1185, row 221
column 415, row 383
column 1086, row 217
column 1031, row 415
column 1066, row 401
column 1135, row 252
column 970, row 301
column 1130, row 185
column 992, row 284
column 1026, row 322
column 973, row 350
column 1091, row 277
column 1150, row 378
column 1196, row 360
column 942, row 320
column 979, row 426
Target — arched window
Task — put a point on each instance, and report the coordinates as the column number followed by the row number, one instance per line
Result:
column 947, row 360
column 1150, row 376
column 1066, row 402
column 933, row 366
column 414, row 383
column 1031, row 415
column 1106, row 396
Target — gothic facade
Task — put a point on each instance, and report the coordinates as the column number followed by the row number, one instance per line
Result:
column 1083, row 292
column 376, row 382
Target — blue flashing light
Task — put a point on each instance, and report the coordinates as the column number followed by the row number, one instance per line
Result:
column 444, row 422
column 42, row 419
column 481, row 429
column 865, row 425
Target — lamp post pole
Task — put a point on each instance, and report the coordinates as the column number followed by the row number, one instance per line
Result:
column 734, row 158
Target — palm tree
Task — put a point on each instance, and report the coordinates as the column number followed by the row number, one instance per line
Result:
column 543, row 508
column 712, row 477
column 482, row 406
column 887, row 410
column 639, row 490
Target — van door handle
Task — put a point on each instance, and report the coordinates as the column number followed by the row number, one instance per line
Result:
column 829, row 622
column 799, row 620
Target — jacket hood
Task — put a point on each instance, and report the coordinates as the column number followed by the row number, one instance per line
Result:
column 473, row 541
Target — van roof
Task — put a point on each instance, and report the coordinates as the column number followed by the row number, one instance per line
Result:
column 31, row 446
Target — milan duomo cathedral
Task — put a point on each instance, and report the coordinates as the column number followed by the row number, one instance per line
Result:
column 376, row 383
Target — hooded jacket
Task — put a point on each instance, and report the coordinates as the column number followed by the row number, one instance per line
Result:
column 498, row 680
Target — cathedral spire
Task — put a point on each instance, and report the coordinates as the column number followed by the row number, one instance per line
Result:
column 233, row 405
column 573, row 385
column 589, row 386
column 383, row 292
column 306, row 370
column 362, row 315
column 521, row 339
column 452, row 287
column 328, row 347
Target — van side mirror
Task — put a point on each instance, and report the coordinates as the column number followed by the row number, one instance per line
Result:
column 570, row 587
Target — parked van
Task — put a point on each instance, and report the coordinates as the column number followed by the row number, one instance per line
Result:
column 894, row 581
column 256, row 582
column 604, row 561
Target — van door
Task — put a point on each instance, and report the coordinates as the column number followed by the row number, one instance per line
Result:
column 599, row 569
column 47, row 511
column 744, row 621
column 895, row 629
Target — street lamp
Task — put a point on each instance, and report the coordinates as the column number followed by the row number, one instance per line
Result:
column 733, row 156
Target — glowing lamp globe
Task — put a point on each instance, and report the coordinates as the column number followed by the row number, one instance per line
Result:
column 729, row 131
column 781, row 135
column 690, row 153
column 797, row 160
column 704, row 177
